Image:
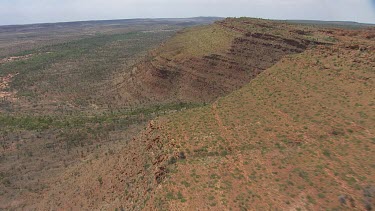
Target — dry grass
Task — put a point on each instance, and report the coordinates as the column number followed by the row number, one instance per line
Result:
column 297, row 137
column 198, row 42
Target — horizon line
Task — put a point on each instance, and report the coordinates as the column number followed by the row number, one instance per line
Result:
column 159, row 18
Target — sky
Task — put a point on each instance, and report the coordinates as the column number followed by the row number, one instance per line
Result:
column 49, row 11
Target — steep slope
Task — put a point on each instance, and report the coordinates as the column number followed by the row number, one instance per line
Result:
column 300, row 136
column 202, row 63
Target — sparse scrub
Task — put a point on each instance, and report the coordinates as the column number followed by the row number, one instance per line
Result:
column 298, row 135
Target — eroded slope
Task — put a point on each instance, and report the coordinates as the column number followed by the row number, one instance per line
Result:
column 203, row 63
column 299, row 136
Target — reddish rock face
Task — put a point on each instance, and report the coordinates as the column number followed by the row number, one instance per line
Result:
column 203, row 79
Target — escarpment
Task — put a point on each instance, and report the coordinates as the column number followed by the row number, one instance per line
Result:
column 170, row 73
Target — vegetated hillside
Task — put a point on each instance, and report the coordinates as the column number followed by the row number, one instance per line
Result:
column 299, row 136
column 202, row 63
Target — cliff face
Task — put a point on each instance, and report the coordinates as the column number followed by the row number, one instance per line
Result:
column 204, row 63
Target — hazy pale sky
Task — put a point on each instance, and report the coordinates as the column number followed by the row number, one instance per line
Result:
column 42, row 11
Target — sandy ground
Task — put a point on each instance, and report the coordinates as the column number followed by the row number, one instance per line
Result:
column 4, row 85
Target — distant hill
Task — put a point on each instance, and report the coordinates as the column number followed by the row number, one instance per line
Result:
column 350, row 24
